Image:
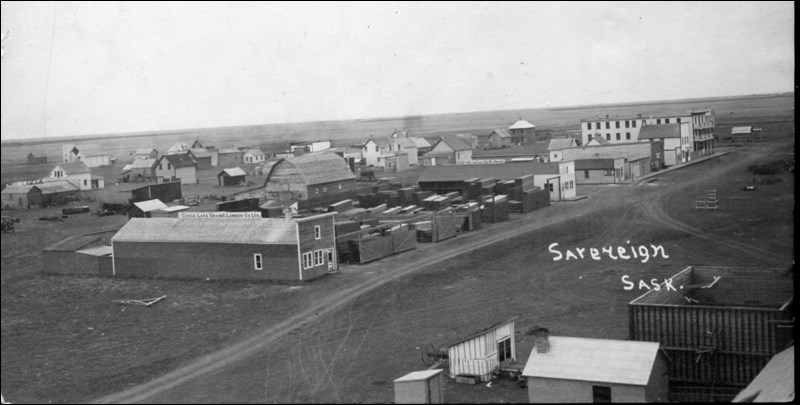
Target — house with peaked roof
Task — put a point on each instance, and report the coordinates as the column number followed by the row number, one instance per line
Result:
column 597, row 140
column 202, row 156
column 197, row 145
column 452, row 148
column 600, row 171
column 557, row 145
column 480, row 353
column 374, row 148
column 71, row 153
column 423, row 146
column 401, row 143
column 244, row 248
column 573, row 370
column 311, row 180
column 149, row 153
column 178, row 147
column 231, row 177
column 775, row 382
column 500, row 138
column 17, row 196
column 254, row 155
column 170, row 167
column 140, row 170
column 78, row 174
column 33, row 159
column 522, row 132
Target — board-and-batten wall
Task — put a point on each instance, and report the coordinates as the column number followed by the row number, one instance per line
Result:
column 478, row 355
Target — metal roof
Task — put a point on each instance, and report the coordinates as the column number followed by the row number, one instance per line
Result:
column 175, row 208
column 318, row 167
column 561, row 143
column 775, row 383
column 659, row 131
column 597, row 360
column 503, row 171
column 143, row 163
column 73, row 168
column 741, row 130
column 232, row 172
column 150, row 205
column 179, row 146
column 521, row 124
column 406, row 142
column 254, row 152
column 594, row 164
column 209, row 230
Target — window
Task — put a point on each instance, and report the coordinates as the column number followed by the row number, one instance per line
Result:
column 324, row 189
column 257, row 262
column 307, row 261
column 679, row 120
column 618, row 136
column 504, row 350
column 340, row 186
column 633, row 123
column 617, row 124
column 608, row 137
column 585, row 174
column 160, row 167
column 596, row 125
column 169, row 166
column 376, row 148
column 627, row 124
column 319, row 257
column 666, row 121
column 317, row 232
column 316, row 191
column 84, row 182
column 608, row 172
column 627, row 135
column 608, row 125
column 588, row 125
column 601, row 394
column 549, row 187
column 658, row 121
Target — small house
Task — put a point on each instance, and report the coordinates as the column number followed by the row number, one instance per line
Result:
column 299, row 148
column 33, row 159
column 254, row 155
column 140, row 170
column 499, row 138
column 456, row 150
column 404, row 144
column 374, row 148
column 423, row 146
column 231, row 177
column 16, row 196
column 479, row 354
column 571, row 370
column 170, row 167
column 97, row 160
column 146, row 153
column 76, row 173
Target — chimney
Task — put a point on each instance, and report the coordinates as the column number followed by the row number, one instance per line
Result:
column 606, row 116
column 541, row 339
column 638, row 115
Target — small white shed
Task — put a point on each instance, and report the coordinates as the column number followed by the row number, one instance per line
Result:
column 420, row 387
column 481, row 353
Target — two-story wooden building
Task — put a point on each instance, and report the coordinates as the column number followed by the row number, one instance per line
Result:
column 175, row 166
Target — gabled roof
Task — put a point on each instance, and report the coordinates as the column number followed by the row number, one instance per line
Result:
column 317, row 167
column 594, row 164
column 775, row 382
column 150, row 205
column 197, row 144
column 521, row 124
column 17, row 189
column 561, row 143
column 454, row 142
column 598, row 360
column 381, row 141
column 178, row 147
column 72, row 168
column 144, row 151
column 406, row 142
column 254, row 152
column 53, row 187
column 143, row 163
column 421, row 142
column 200, row 153
column 598, row 139
column 232, row 172
column 502, row 133
column 504, row 171
column 741, row 130
column 179, row 160
column 659, row 131
column 209, row 230
column 485, row 330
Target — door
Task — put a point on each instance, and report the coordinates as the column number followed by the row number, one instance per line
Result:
column 331, row 259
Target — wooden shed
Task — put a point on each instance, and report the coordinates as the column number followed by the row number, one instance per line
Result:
column 231, row 177
column 81, row 254
column 479, row 354
column 16, row 196
column 718, row 325
column 167, row 191
column 143, row 209
column 575, row 370
column 297, row 249
column 420, row 387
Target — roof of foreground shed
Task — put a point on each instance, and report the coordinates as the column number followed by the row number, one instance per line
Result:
column 598, row 360
column 265, row 231
column 775, row 383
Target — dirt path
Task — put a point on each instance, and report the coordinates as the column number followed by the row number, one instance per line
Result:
column 648, row 203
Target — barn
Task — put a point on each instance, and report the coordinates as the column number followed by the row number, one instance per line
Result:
column 276, row 249
column 231, row 177
column 312, row 180
column 718, row 325
column 578, row 370
column 480, row 353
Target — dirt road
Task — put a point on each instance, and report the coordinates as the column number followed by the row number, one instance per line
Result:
column 323, row 352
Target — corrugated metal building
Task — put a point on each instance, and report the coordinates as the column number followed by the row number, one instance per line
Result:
column 718, row 325
column 298, row 249
column 312, row 180
column 480, row 353
column 575, row 370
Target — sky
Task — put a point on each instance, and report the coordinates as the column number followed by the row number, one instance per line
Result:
column 82, row 68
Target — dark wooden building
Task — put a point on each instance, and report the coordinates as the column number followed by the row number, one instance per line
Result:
column 718, row 325
column 33, row 159
column 81, row 254
column 231, row 177
column 278, row 249
column 312, row 180
column 167, row 192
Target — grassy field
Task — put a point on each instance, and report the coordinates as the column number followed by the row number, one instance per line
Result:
column 64, row 340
